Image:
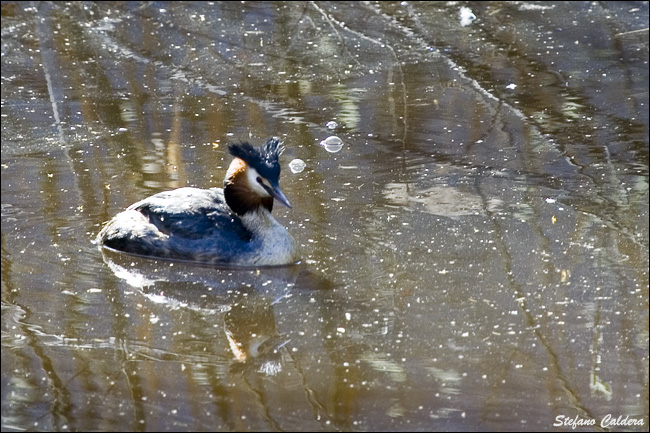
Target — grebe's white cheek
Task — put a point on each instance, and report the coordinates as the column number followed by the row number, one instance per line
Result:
column 252, row 180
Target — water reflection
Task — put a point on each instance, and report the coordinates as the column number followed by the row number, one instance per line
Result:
column 262, row 323
column 235, row 316
column 437, row 200
column 481, row 237
column 275, row 281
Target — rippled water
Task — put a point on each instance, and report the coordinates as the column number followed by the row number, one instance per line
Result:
column 474, row 255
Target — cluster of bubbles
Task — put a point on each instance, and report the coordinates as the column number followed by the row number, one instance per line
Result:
column 332, row 144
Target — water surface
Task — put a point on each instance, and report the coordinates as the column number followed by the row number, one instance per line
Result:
column 474, row 256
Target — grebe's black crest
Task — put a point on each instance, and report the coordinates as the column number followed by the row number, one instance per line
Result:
column 265, row 158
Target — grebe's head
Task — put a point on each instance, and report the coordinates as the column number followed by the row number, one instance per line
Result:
column 253, row 178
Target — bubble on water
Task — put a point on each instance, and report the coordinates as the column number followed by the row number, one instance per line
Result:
column 331, row 125
column 297, row 166
column 332, row 144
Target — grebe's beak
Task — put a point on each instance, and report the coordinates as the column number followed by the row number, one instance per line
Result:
column 278, row 195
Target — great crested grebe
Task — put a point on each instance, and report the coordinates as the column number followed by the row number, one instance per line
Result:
column 229, row 226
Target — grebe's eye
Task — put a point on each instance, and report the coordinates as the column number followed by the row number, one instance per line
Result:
column 259, row 180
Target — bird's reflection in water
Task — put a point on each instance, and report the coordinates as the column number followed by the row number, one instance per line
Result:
column 245, row 296
column 246, row 304
column 250, row 328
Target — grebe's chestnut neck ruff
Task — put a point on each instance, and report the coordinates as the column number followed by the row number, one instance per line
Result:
column 229, row 226
column 253, row 177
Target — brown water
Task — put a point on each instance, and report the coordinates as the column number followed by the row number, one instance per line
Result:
column 475, row 256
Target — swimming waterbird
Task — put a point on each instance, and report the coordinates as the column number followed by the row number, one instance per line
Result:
column 229, row 226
